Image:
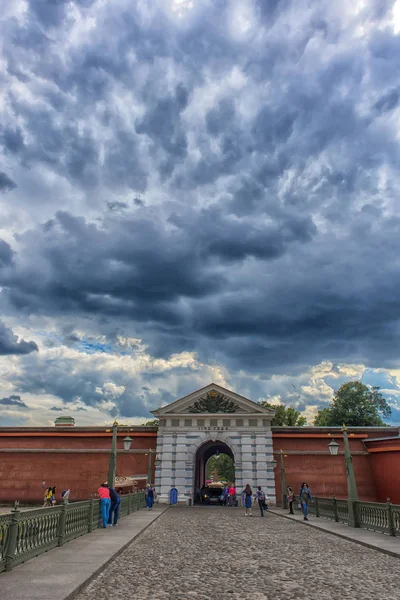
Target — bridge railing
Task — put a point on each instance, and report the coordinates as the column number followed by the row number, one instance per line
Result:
column 376, row 516
column 25, row 534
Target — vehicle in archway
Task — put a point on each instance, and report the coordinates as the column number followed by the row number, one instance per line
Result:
column 211, row 494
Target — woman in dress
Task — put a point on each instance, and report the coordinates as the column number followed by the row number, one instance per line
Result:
column 248, row 500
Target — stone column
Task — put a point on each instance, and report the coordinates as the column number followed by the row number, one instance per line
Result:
column 184, row 476
column 247, row 459
column 165, row 474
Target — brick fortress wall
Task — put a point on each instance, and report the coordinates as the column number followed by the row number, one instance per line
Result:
column 78, row 458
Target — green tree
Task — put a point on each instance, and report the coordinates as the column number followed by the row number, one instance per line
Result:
column 285, row 416
column 356, row 405
column 223, row 465
column 153, row 423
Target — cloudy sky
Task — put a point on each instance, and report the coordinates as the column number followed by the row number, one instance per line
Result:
column 196, row 191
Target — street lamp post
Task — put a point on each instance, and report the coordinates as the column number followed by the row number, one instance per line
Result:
column 283, row 481
column 150, row 453
column 352, row 495
column 112, row 465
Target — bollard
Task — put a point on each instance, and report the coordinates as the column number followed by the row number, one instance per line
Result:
column 335, row 509
column 62, row 521
column 316, row 507
column 392, row 530
column 12, row 537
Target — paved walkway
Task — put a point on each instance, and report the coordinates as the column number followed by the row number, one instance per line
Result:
column 61, row 573
column 371, row 539
column 212, row 552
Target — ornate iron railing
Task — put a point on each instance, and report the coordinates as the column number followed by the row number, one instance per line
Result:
column 5, row 522
column 368, row 515
column 372, row 515
column 24, row 535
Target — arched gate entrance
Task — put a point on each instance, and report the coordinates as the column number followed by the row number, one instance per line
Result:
column 203, row 454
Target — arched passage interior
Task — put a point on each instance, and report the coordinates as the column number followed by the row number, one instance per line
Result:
column 203, row 454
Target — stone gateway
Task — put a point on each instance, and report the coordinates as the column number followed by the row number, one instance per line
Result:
column 211, row 420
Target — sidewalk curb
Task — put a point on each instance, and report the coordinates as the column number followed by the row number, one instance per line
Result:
column 337, row 534
column 82, row 586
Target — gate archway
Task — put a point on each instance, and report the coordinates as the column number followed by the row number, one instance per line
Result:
column 203, row 454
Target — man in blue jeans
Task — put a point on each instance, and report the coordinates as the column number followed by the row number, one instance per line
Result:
column 105, row 502
column 115, row 502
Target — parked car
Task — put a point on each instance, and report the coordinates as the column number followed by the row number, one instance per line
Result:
column 212, row 495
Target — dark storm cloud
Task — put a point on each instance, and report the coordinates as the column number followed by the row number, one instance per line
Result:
column 9, row 343
column 6, row 184
column 268, row 163
column 6, row 254
column 115, row 205
column 14, row 401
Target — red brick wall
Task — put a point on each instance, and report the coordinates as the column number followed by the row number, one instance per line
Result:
column 21, row 474
column 326, row 475
column 386, row 471
column 72, row 440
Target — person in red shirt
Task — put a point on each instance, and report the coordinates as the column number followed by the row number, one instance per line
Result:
column 232, row 495
column 105, row 503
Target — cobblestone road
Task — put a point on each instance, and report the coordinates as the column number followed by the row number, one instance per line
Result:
column 218, row 554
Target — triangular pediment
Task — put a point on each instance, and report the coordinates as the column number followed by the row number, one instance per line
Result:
column 213, row 399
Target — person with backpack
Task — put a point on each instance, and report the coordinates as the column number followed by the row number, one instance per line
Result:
column 114, row 507
column 260, row 497
column 305, row 498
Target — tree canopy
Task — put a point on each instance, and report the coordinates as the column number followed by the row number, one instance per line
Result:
column 153, row 423
column 356, row 405
column 285, row 415
column 223, row 465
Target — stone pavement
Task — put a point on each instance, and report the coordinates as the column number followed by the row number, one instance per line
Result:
column 372, row 539
column 61, row 573
column 211, row 553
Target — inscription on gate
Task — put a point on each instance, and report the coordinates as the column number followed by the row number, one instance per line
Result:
column 213, row 428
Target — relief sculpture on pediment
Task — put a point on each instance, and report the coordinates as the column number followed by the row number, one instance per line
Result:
column 213, row 402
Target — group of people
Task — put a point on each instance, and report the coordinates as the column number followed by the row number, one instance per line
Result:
column 228, row 495
column 259, row 497
column 109, row 505
column 50, row 496
column 304, row 499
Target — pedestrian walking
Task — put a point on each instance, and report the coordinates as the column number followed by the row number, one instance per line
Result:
column 259, row 496
column 114, row 507
column 105, row 503
column 47, row 497
column 248, row 493
column 291, row 499
column 65, row 494
column 150, row 493
column 53, row 496
column 232, row 495
column 305, row 498
column 224, row 495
